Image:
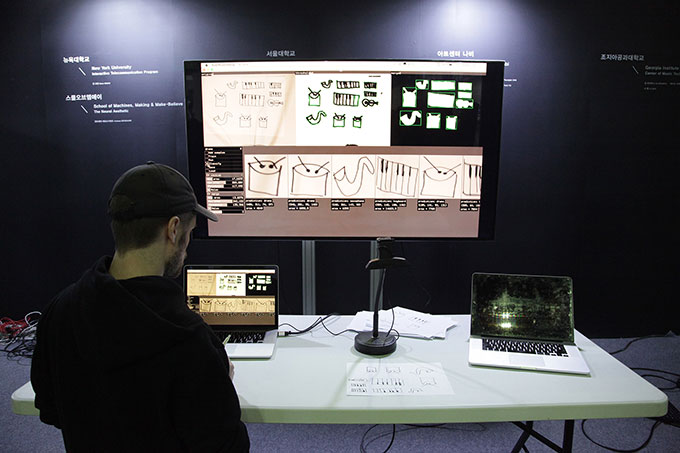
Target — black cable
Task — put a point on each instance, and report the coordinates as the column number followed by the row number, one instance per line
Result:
column 365, row 444
column 634, row 340
column 318, row 321
column 644, row 444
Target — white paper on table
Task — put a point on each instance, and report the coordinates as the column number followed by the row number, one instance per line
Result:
column 374, row 377
column 409, row 323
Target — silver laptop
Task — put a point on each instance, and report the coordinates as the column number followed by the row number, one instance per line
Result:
column 524, row 321
column 240, row 303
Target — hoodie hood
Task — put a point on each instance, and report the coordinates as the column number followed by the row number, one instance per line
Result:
column 121, row 322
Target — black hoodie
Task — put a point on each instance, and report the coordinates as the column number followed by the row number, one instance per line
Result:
column 125, row 366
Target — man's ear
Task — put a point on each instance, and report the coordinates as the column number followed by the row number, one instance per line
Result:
column 173, row 229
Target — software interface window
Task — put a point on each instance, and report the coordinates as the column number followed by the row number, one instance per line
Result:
column 244, row 297
column 343, row 149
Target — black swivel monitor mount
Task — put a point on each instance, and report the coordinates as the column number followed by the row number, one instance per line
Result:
column 376, row 342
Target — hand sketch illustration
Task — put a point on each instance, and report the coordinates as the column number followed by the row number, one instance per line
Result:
column 274, row 103
column 472, row 179
column 327, row 84
column 347, row 84
column 396, row 177
column 408, row 97
column 346, row 100
column 410, row 117
column 357, row 121
column 451, row 123
column 315, row 119
column 433, row 120
column 464, row 103
column 251, row 100
column 222, row 120
column 309, row 179
column 275, row 85
column 440, row 100
column 244, row 121
column 233, row 84
column 262, row 122
column 220, row 99
column 371, row 85
column 349, row 187
column 338, row 120
column 252, row 85
column 443, row 85
column 422, row 84
column 369, row 102
column 439, row 181
column 264, row 176
column 314, row 98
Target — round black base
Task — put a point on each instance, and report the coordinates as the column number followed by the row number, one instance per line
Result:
column 384, row 344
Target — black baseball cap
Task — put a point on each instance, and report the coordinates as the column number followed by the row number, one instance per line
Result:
column 153, row 190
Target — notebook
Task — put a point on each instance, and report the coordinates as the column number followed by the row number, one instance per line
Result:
column 240, row 303
column 524, row 321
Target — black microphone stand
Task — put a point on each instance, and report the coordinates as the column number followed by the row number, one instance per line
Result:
column 376, row 342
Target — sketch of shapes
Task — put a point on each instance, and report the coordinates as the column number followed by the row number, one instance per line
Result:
column 244, row 121
column 327, row 84
column 264, row 176
column 346, row 99
column 472, row 179
column 422, row 84
column 232, row 85
column 338, row 120
column 221, row 121
column 440, row 100
column 350, row 187
column 206, row 305
column 314, row 98
column 252, row 85
column 371, row 85
column 410, row 118
column 347, row 84
column 428, row 381
column 309, row 179
column 275, row 85
column 439, row 181
column 443, row 85
column 433, row 120
column 262, row 122
column 220, row 99
column 396, row 177
column 315, row 119
column 465, row 86
column 464, row 103
column 274, row 103
column 451, row 123
column 357, row 121
column 465, row 95
column 369, row 102
column 408, row 97
column 251, row 100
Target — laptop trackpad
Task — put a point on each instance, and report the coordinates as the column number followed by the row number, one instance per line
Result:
column 526, row 360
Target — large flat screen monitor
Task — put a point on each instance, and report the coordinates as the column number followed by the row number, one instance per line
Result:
column 345, row 149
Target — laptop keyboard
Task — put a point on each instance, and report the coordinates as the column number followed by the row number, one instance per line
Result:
column 241, row 337
column 524, row 347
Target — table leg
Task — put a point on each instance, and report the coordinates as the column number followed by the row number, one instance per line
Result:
column 528, row 428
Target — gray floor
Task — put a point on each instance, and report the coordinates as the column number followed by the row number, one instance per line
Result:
column 27, row 434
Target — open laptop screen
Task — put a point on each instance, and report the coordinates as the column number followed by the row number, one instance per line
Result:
column 233, row 296
column 522, row 306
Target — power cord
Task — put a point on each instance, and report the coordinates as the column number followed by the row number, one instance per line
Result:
column 17, row 338
column 644, row 444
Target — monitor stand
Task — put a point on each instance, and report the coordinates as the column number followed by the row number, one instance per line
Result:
column 376, row 342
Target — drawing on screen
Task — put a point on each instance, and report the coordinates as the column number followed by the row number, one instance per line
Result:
column 309, row 179
column 220, row 99
column 472, row 179
column 233, row 84
column 347, row 84
column 439, row 181
column 440, row 100
column 349, row 187
column 464, row 103
column 346, row 100
column 408, row 97
column 369, row 102
column 451, row 123
column 275, row 85
column 433, row 120
column 262, row 122
column 357, row 121
column 274, row 103
column 371, row 85
column 264, row 176
column 244, row 121
column 221, row 121
column 338, row 120
column 327, row 84
column 396, row 177
column 410, row 117
column 251, row 100
column 314, row 98
column 253, row 85
column 315, row 119
column 422, row 84
column 443, row 85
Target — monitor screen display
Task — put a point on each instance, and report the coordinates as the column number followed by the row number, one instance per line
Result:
column 345, row 149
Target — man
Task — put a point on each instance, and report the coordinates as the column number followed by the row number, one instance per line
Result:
column 121, row 363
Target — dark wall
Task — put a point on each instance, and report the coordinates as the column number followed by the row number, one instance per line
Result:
column 589, row 155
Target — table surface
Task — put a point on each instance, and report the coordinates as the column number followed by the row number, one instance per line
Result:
column 306, row 380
